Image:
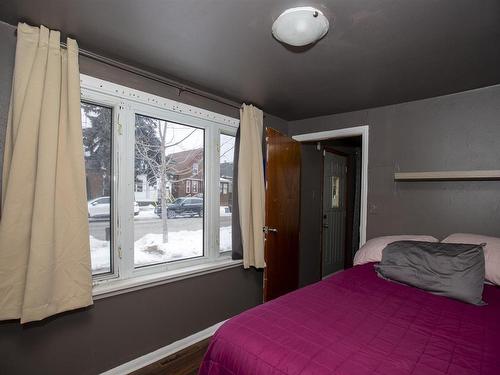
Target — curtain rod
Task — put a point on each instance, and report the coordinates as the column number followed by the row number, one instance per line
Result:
column 152, row 76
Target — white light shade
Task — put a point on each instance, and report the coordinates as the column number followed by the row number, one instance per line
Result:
column 300, row 26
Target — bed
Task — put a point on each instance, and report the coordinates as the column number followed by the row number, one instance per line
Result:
column 357, row 323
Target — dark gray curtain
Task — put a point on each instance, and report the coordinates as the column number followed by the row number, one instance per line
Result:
column 8, row 48
column 237, row 246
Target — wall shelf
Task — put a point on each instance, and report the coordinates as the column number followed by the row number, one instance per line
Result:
column 476, row 175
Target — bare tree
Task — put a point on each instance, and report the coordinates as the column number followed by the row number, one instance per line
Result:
column 153, row 140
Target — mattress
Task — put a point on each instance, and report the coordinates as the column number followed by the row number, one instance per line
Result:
column 357, row 323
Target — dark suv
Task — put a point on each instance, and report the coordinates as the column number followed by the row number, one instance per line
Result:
column 187, row 206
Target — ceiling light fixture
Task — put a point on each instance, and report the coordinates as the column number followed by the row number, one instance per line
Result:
column 300, row 26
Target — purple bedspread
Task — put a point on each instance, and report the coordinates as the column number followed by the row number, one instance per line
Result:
column 356, row 323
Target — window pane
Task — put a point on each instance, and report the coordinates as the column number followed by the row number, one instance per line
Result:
column 226, row 190
column 168, row 226
column 96, row 128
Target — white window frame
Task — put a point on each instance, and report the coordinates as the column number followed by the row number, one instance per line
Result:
column 221, row 189
column 126, row 103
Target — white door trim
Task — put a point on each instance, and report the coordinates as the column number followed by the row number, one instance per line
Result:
column 344, row 133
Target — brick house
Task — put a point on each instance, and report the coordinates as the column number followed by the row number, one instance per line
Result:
column 186, row 171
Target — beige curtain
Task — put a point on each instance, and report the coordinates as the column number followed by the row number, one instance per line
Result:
column 251, row 190
column 44, row 239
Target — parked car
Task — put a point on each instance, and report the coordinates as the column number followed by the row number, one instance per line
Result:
column 185, row 206
column 101, row 207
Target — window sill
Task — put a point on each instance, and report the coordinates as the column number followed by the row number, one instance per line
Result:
column 108, row 288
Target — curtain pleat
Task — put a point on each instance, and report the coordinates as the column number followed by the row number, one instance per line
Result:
column 251, row 189
column 44, row 239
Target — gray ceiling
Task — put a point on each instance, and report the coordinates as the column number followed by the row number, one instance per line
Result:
column 378, row 52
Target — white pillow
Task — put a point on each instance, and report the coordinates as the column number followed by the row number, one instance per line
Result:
column 371, row 251
column 491, row 252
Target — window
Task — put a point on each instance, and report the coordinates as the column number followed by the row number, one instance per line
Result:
column 226, row 161
column 139, row 186
column 97, row 148
column 163, row 149
column 335, row 181
column 154, row 169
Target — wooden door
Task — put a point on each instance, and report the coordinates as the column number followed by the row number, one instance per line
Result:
column 334, row 212
column 281, row 274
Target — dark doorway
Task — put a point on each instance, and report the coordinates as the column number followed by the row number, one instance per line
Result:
column 348, row 232
column 330, row 189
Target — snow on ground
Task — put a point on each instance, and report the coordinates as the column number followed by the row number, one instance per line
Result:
column 99, row 254
column 146, row 214
column 182, row 244
column 224, row 211
column 225, row 238
column 150, row 248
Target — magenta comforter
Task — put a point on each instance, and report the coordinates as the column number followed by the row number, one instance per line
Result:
column 356, row 323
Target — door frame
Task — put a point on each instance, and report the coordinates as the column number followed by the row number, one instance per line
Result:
column 362, row 131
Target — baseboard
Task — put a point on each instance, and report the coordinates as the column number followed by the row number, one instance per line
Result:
column 161, row 353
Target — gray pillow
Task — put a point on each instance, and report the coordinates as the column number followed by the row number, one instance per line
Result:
column 446, row 269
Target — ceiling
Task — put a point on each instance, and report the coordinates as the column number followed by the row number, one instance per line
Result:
column 378, row 52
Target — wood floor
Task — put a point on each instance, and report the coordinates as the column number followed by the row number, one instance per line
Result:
column 185, row 362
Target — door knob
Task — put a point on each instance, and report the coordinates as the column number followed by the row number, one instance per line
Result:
column 266, row 229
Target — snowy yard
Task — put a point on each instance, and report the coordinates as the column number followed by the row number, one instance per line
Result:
column 148, row 213
column 150, row 249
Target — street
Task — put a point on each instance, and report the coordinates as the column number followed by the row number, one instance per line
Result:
column 143, row 226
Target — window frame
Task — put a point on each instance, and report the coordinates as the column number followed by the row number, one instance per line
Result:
column 139, row 186
column 113, row 105
column 220, row 187
column 125, row 104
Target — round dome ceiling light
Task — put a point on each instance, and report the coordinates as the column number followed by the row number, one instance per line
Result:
column 300, row 26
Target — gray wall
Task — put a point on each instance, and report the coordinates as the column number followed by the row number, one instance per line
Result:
column 454, row 132
column 118, row 329
column 103, row 71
